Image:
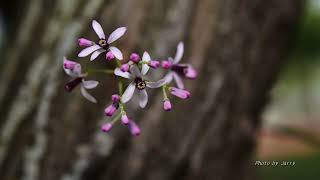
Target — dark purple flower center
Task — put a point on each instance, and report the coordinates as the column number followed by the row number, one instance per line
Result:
column 180, row 69
column 104, row 44
column 140, row 84
column 116, row 105
column 72, row 84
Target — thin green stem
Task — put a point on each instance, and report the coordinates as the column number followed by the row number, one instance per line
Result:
column 107, row 71
column 120, row 86
column 122, row 111
column 118, row 63
column 164, row 91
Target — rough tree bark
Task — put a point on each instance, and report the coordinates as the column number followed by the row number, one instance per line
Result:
column 238, row 46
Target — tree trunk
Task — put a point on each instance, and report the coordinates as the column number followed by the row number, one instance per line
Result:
column 237, row 46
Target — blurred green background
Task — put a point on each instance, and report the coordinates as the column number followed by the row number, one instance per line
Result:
column 291, row 129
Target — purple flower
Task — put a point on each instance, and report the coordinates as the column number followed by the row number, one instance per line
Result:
column 109, row 56
column 115, row 98
column 180, row 93
column 190, row 72
column 67, row 64
column 154, row 64
column 134, row 128
column 85, row 42
column 106, row 127
column 124, row 119
column 103, row 44
column 125, row 67
column 111, row 109
column 137, row 82
column 167, row 105
column 166, row 64
column 73, row 69
column 178, row 70
column 134, row 57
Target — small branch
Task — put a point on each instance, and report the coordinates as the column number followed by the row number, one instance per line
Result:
column 107, row 71
column 164, row 91
column 120, row 86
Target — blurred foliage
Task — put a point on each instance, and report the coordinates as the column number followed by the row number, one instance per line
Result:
column 307, row 45
column 303, row 63
column 305, row 168
column 308, row 41
column 300, row 75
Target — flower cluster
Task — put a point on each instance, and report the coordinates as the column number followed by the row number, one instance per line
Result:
column 134, row 72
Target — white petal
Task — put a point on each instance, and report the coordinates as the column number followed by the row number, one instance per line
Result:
column 168, row 78
column 116, row 34
column 77, row 69
column 179, row 52
column 90, row 84
column 178, row 80
column 116, row 52
column 135, row 71
column 146, row 57
column 120, row 73
column 86, row 95
column 128, row 93
column 95, row 54
column 157, row 84
column 145, row 69
column 69, row 72
column 98, row 29
column 170, row 59
column 85, row 52
column 143, row 98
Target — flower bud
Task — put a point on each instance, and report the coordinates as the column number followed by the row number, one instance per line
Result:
column 106, row 127
column 72, row 84
column 109, row 56
column 84, row 42
column 167, row 105
column 115, row 98
column 69, row 64
column 124, row 67
column 166, row 64
column 154, row 64
column 180, row 93
column 109, row 111
column 134, row 128
column 135, row 57
column 125, row 119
